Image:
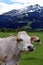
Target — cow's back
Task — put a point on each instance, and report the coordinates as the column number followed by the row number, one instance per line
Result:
column 8, row 48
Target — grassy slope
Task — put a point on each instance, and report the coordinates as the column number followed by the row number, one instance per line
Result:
column 33, row 58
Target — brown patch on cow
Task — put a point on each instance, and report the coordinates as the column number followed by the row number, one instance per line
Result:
column 18, row 40
column 33, row 39
column 2, row 59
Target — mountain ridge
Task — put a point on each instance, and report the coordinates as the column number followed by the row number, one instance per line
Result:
column 31, row 16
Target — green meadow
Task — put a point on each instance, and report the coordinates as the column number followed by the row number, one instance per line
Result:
column 30, row 58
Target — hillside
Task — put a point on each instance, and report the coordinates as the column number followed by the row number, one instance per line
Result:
column 31, row 17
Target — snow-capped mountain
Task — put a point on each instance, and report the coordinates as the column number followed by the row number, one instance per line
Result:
column 32, row 8
column 27, row 9
column 32, row 13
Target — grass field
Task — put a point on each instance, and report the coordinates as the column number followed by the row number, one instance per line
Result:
column 32, row 58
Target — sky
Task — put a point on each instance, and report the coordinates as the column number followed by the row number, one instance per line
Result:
column 7, row 5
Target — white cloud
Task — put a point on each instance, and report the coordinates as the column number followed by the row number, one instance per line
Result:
column 7, row 7
column 17, row 4
column 4, row 7
column 21, row 1
column 28, row 2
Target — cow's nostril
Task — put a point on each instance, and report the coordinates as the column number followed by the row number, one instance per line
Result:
column 38, row 40
column 29, row 47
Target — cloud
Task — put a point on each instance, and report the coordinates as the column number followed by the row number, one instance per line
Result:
column 29, row 2
column 4, row 7
column 18, row 4
column 7, row 7
column 20, row 1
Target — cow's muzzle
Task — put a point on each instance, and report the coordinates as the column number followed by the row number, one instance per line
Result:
column 31, row 48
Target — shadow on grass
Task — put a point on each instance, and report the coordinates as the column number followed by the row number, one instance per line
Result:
column 29, row 58
column 32, row 58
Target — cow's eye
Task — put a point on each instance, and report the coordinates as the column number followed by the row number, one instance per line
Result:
column 20, row 39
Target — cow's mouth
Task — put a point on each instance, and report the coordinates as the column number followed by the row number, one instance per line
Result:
column 30, row 50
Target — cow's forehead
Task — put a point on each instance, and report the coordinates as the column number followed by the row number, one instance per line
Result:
column 23, row 35
column 22, row 32
column 36, row 37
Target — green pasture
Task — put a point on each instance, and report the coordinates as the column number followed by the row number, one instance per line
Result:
column 30, row 58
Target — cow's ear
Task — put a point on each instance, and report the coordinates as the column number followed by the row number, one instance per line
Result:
column 32, row 39
column 18, row 40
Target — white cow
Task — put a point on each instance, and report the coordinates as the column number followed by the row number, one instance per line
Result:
column 12, row 46
column 35, row 39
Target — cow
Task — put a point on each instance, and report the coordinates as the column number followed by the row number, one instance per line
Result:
column 35, row 39
column 11, row 48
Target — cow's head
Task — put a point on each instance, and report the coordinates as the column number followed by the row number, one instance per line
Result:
column 24, row 42
column 35, row 39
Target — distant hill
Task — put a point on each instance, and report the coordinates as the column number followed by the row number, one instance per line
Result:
column 30, row 17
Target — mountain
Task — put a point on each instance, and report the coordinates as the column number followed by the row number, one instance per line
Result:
column 31, row 17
